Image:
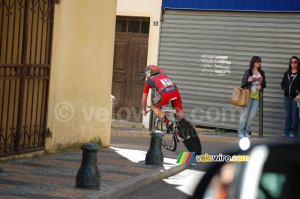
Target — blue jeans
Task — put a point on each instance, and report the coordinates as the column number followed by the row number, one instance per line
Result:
column 291, row 116
column 247, row 116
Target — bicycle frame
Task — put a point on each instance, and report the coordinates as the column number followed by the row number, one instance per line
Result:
column 170, row 110
column 184, row 130
column 177, row 126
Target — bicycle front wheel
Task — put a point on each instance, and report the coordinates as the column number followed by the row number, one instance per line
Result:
column 168, row 140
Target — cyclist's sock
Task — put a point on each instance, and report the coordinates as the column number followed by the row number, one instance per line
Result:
column 165, row 120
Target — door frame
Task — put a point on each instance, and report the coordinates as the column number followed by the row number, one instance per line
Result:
column 129, row 62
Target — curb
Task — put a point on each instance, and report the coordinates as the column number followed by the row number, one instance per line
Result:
column 129, row 133
column 204, row 136
column 123, row 188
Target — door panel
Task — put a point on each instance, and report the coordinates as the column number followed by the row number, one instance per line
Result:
column 121, row 54
column 118, row 92
column 130, row 60
column 120, row 72
column 140, row 51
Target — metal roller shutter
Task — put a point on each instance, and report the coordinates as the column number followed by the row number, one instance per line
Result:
column 205, row 53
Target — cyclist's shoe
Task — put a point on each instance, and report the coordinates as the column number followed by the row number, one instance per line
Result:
column 284, row 135
column 291, row 136
column 247, row 135
column 180, row 138
column 169, row 127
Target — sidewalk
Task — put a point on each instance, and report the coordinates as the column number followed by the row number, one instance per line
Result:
column 53, row 176
column 125, row 129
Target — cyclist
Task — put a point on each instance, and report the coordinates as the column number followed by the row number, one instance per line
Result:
column 166, row 90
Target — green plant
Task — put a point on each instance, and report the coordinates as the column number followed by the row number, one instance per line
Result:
column 220, row 130
column 133, row 126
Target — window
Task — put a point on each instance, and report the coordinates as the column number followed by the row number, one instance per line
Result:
column 271, row 184
column 133, row 25
column 121, row 26
column 145, row 27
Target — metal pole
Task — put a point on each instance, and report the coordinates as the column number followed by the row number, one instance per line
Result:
column 261, row 114
column 151, row 113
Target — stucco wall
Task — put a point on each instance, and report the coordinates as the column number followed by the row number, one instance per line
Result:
column 145, row 8
column 81, row 73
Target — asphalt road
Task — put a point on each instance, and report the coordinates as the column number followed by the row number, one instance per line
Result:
column 181, row 185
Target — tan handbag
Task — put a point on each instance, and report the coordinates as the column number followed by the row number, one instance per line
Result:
column 240, row 96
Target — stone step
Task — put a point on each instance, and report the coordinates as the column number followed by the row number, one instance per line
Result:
column 126, row 124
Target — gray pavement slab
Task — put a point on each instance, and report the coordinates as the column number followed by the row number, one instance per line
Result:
column 53, row 176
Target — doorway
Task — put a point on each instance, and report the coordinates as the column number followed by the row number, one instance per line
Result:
column 130, row 60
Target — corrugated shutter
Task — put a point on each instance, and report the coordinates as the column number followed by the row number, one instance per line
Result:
column 205, row 53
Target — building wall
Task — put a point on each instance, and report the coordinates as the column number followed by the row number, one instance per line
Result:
column 145, row 8
column 79, row 108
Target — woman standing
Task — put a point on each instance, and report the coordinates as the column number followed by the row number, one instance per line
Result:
column 290, row 84
column 255, row 80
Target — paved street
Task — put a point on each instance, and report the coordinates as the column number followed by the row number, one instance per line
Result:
column 122, row 168
column 180, row 185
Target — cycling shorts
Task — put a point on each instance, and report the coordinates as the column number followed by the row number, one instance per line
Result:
column 163, row 98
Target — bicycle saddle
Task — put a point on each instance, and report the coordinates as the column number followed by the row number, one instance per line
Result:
column 172, row 99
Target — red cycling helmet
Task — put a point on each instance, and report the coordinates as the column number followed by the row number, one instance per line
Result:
column 152, row 70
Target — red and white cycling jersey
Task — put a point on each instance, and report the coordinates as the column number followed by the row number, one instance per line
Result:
column 166, row 89
column 160, row 83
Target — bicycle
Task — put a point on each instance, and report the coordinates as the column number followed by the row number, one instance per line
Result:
column 183, row 130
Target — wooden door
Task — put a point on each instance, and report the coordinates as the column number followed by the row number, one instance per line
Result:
column 130, row 60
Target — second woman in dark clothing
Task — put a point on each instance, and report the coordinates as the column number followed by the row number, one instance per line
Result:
column 290, row 84
column 255, row 80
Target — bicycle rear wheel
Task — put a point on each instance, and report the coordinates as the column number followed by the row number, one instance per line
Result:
column 192, row 141
column 169, row 139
